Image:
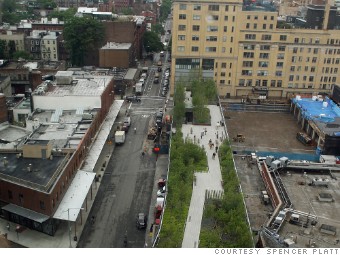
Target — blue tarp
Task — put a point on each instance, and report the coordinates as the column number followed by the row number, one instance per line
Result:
column 289, row 155
column 315, row 110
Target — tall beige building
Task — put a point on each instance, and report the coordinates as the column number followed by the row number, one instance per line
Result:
column 244, row 52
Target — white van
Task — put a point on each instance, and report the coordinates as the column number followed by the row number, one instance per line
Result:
column 143, row 76
column 127, row 121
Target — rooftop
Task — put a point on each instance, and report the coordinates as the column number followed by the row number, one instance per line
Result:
column 36, row 173
column 323, row 110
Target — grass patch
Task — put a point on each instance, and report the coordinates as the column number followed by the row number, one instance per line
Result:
column 224, row 223
column 186, row 158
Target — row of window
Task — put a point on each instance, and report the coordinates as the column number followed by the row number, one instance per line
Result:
column 21, row 199
column 255, row 17
column 210, row 18
column 207, row 49
column 211, row 7
column 282, row 38
column 258, row 83
column 264, row 26
column 207, row 38
column 209, row 28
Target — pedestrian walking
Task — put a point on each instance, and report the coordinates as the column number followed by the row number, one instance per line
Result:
column 205, row 130
column 214, row 155
column 217, row 135
column 201, row 135
column 191, row 130
column 216, row 149
column 210, row 141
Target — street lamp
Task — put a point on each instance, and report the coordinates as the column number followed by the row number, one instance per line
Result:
column 68, row 219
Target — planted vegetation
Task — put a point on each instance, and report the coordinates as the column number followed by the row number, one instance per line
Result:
column 186, row 158
column 224, row 222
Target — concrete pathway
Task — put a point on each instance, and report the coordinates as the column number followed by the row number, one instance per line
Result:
column 210, row 181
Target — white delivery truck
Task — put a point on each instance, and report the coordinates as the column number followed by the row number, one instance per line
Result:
column 120, row 137
column 139, row 88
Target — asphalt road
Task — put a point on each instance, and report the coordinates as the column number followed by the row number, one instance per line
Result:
column 127, row 183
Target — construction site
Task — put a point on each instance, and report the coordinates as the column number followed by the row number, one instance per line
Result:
column 290, row 188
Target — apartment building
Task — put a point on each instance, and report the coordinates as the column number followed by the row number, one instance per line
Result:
column 245, row 52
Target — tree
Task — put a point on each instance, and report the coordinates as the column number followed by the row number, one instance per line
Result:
column 165, row 10
column 127, row 11
column 2, row 48
column 158, row 29
column 152, row 42
column 11, row 48
column 82, row 35
column 46, row 4
column 63, row 15
column 21, row 54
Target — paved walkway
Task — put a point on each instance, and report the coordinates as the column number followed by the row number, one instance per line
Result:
column 204, row 181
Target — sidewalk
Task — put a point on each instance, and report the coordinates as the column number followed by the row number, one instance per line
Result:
column 209, row 181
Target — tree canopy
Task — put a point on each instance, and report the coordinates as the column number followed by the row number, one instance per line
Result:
column 82, row 35
column 165, row 10
column 2, row 48
column 152, row 42
column 63, row 15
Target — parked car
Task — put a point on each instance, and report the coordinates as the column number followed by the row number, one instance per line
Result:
column 132, row 99
column 141, row 221
column 161, row 192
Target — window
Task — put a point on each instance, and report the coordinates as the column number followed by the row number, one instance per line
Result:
column 222, row 81
column 248, row 25
column 264, row 26
column 250, row 37
column 296, row 40
column 255, row 25
column 211, row 38
column 214, row 17
column 265, row 47
column 311, row 78
column 272, row 83
column 280, row 56
column 256, row 17
column 233, row 18
column 282, row 48
column 248, row 54
column 213, row 7
column 265, row 17
column 279, row 83
column 292, row 68
column 241, row 82
column 195, row 38
column 180, row 48
column 249, row 47
column 247, row 72
column 210, row 49
column 181, row 37
column 42, row 205
column 224, row 38
column 10, row 194
column 291, row 77
column 283, row 38
column 182, row 16
column 271, row 26
column 279, row 64
column 212, row 28
column 317, row 40
column 197, row 7
column 196, row 17
column 264, row 55
column 314, row 60
column 278, row 73
column 225, row 18
column 262, row 73
column 312, row 69
column 266, row 37
column 247, row 64
column 181, row 27
column 224, row 65
column 263, row 64
column 182, row 6
column 195, row 28
column 194, row 48
column 223, row 74
column 227, row 8
column 225, row 29
column 248, row 16
column 315, row 51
